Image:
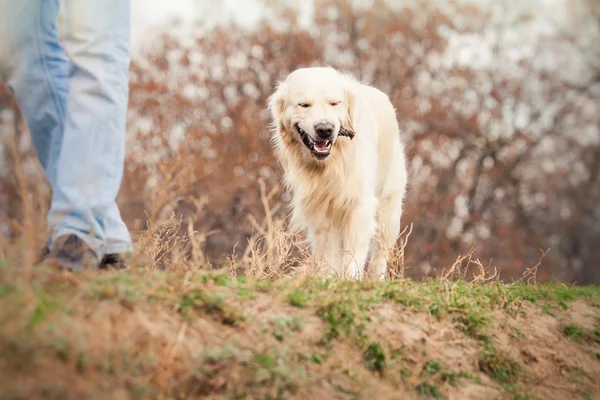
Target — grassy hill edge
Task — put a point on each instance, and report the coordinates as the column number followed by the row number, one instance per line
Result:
column 172, row 335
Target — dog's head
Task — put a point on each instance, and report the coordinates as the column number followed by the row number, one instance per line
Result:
column 313, row 107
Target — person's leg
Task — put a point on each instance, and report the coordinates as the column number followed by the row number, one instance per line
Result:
column 118, row 239
column 34, row 66
column 90, row 166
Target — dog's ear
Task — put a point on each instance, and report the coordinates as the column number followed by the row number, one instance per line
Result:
column 277, row 104
column 350, row 109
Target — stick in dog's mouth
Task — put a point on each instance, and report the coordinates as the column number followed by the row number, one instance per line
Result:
column 304, row 136
column 346, row 132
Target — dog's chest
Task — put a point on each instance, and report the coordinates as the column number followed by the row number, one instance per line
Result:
column 323, row 203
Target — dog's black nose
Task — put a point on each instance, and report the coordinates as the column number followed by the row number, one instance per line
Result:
column 324, row 130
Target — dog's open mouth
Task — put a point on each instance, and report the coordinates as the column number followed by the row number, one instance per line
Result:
column 322, row 146
column 319, row 148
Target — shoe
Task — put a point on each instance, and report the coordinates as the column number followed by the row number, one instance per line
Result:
column 70, row 253
column 112, row 260
column 115, row 261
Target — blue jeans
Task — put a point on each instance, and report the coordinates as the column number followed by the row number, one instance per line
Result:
column 74, row 101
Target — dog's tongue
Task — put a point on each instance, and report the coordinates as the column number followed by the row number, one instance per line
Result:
column 321, row 144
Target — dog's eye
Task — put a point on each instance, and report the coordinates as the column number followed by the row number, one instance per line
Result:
column 334, row 103
column 304, row 105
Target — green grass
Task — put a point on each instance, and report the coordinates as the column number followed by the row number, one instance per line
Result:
column 272, row 370
column 573, row 332
column 6, row 289
column 596, row 335
column 469, row 305
column 427, row 389
column 435, row 371
column 285, row 326
column 200, row 301
column 499, row 366
column 375, row 358
column 451, row 377
column 585, row 395
column 578, row 334
column 340, row 318
column 431, row 368
column 298, row 298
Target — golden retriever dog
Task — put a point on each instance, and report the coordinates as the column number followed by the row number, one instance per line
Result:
column 338, row 142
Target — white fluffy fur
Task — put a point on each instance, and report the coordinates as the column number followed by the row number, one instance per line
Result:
column 350, row 204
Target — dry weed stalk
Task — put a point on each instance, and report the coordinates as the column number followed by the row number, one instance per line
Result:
column 165, row 242
column 269, row 253
column 267, row 228
column 530, row 274
column 268, row 256
column 397, row 266
column 175, row 179
column 197, row 239
column 161, row 242
column 27, row 226
column 455, row 269
column 483, row 274
column 460, row 268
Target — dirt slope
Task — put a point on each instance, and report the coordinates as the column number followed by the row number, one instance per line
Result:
column 158, row 335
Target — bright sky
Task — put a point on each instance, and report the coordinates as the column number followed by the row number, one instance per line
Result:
column 149, row 14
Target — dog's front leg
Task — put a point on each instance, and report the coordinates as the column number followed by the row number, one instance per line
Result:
column 357, row 238
column 325, row 249
column 388, row 229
